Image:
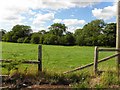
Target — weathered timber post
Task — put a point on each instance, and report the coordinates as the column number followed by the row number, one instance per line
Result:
column 40, row 58
column 96, row 60
column 118, row 36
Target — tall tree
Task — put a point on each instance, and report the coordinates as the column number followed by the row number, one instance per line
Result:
column 20, row 31
column 79, row 37
column 35, row 38
column 2, row 33
column 69, row 38
column 58, row 29
column 8, row 37
column 92, row 30
column 110, row 33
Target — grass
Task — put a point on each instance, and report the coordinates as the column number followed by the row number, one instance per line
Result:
column 80, row 80
column 55, row 58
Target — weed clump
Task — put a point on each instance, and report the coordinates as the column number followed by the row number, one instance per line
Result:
column 109, row 78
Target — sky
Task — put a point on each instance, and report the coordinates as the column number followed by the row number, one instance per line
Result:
column 41, row 14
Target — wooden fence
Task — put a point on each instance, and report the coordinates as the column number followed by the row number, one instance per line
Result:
column 96, row 61
column 39, row 62
column 96, row 55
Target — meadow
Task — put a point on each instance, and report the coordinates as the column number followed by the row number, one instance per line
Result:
column 54, row 58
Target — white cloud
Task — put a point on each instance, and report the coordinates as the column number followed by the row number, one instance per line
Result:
column 57, row 20
column 10, row 8
column 106, row 13
column 72, row 24
column 30, row 12
column 11, row 12
column 42, row 18
column 55, row 4
column 38, row 28
column 73, row 28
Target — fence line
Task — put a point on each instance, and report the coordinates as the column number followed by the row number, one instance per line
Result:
column 96, row 61
column 39, row 62
column 88, row 65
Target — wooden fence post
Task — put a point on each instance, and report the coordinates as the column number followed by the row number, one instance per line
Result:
column 96, row 60
column 40, row 58
column 118, row 37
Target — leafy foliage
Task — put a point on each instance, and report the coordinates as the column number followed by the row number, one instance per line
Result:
column 35, row 38
column 95, row 33
column 58, row 29
column 18, row 31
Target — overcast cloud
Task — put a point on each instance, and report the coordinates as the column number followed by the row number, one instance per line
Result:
column 14, row 12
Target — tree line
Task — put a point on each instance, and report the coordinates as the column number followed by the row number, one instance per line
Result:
column 94, row 33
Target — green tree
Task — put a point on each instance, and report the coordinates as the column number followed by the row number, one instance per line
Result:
column 57, row 29
column 20, row 31
column 102, row 40
column 7, row 37
column 27, row 40
column 69, row 38
column 2, row 33
column 51, row 39
column 79, row 37
column 35, row 38
column 20, row 40
column 42, row 32
column 62, row 40
column 92, row 30
column 110, row 33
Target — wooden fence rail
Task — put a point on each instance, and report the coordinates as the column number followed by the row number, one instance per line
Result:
column 25, row 62
column 108, row 49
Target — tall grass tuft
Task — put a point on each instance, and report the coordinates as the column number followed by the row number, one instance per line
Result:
column 109, row 78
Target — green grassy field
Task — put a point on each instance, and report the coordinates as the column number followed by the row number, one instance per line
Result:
column 55, row 58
